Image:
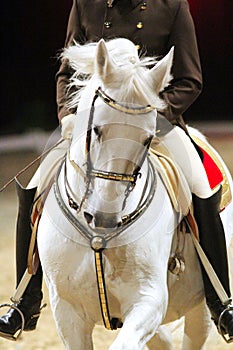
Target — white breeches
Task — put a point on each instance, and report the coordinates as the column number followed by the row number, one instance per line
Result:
column 179, row 147
column 175, row 144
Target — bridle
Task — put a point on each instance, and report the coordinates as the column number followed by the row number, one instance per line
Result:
column 120, row 106
column 91, row 172
column 99, row 242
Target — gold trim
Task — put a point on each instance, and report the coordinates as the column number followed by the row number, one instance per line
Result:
column 119, row 107
column 102, row 291
column 112, row 176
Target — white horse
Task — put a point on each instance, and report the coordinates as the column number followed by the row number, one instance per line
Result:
column 108, row 195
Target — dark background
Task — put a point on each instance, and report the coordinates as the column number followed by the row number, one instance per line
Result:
column 33, row 32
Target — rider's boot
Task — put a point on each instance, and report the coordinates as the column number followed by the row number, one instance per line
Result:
column 212, row 240
column 30, row 302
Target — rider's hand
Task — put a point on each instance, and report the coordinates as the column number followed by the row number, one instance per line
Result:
column 67, row 125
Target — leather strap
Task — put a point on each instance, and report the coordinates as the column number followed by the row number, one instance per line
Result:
column 210, row 271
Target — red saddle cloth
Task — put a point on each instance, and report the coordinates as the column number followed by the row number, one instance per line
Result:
column 213, row 172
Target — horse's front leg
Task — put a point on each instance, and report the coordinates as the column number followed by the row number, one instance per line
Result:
column 142, row 318
column 66, row 267
column 162, row 340
column 73, row 327
column 197, row 327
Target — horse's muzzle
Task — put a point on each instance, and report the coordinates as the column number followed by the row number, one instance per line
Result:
column 102, row 220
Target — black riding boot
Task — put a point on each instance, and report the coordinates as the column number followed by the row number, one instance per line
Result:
column 212, row 239
column 30, row 303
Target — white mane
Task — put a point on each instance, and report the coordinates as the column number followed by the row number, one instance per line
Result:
column 130, row 79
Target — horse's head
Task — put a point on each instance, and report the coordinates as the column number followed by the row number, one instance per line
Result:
column 119, row 104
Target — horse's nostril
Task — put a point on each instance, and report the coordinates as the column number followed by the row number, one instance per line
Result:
column 105, row 220
column 88, row 217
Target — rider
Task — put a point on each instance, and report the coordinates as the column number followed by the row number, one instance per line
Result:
column 154, row 26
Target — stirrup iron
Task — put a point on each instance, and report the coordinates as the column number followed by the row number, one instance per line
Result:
column 19, row 332
column 220, row 329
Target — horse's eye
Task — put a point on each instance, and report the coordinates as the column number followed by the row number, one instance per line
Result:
column 97, row 131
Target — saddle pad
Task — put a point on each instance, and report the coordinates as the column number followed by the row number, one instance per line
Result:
column 215, row 170
column 174, row 181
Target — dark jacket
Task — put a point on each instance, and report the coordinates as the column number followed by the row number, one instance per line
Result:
column 154, row 25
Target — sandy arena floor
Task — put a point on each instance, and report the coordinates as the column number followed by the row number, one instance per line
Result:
column 45, row 337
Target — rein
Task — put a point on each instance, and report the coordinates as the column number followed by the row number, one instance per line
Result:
column 30, row 164
column 99, row 242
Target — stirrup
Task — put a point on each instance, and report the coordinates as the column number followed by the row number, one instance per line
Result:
column 220, row 329
column 19, row 332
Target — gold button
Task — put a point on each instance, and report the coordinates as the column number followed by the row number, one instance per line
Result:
column 107, row 24
column 143, row 6
column 139, row 25
column 109, row 2
column 138, row 47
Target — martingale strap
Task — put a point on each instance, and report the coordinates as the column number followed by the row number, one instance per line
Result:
column 109, row 323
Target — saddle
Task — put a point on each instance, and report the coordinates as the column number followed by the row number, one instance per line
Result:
column 180, row 195
column 176, row 184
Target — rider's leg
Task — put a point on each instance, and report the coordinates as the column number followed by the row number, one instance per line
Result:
column 206, row 212
column 11, row 322
column 31, row 300
column 212, row 239
column 177, row 145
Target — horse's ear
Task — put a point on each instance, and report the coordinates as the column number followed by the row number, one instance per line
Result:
column 161, row 72
column 104, row 63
